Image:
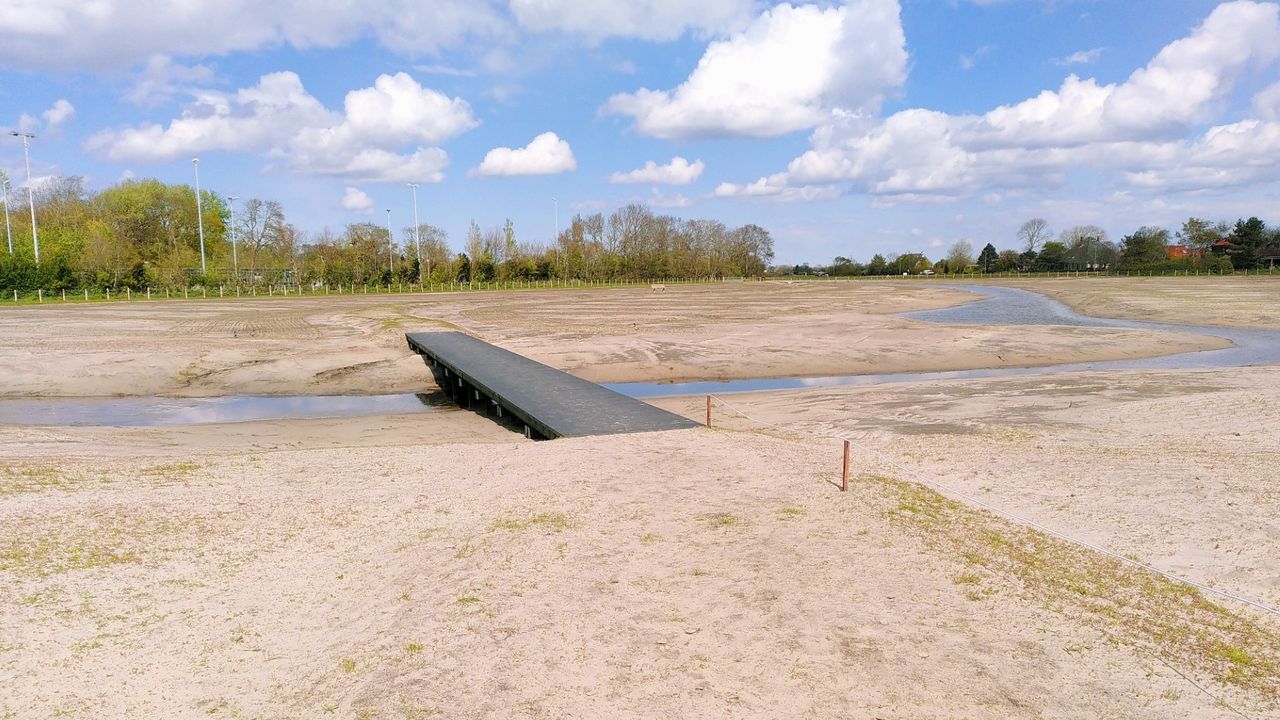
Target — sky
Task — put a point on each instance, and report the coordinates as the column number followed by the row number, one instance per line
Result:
column 843, row 128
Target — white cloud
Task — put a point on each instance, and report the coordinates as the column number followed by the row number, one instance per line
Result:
column 660, row 199
column 647, row 19
column 968, row 61
column 787, row 71
column 162, row 78
column 1082, row 57
column 61, row 112
column 677, row 172
column 1135, row 130
column 547, row 154
column 357, row 200
column 279, row 118
column 105, row 34
column 1266, row 104
column 774, row 190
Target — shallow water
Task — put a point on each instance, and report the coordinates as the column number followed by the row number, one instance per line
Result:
column 999, row 306
column 144, row 411
column 1010, row 306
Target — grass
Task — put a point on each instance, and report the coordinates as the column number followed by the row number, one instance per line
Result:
column 791, row 512
column 62, row 544
column 1142, row 609
column 348, row 665
column 725, row 520
column 650, row 538
column 15, row 480
column 553, row 521
column 466, row 600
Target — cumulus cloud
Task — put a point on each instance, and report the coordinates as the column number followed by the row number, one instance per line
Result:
column 278, row 117
column 776, row 189
column 123, row 33
column 162, row 78
column 547, row 154
column 1266, row 104
column 647, row 19
column 787, row 71
column 61, row 112
column 1082, row 57
column 660, row 199
column 677, row 172
column 357, row 200
column 1136, row 130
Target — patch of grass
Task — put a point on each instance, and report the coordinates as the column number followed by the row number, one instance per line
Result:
column 792, row 512
column 725, row 520
column 465, row 600
column 29, row 478
column 967, row 579
column 348, row 665
column 67, row 543
column 413, row 648
column 1135, row 607
column 418, row 712
column 171, row 471
column 553, row 521
column 650, row 538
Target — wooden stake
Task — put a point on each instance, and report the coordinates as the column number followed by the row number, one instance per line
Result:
column 844, row 473
column 708, row 411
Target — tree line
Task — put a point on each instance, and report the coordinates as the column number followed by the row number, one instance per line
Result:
column 145, row 233
column 1199, row 245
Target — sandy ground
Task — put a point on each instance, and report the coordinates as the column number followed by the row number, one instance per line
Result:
column 439, row 566
column 337, row 345
column 725, row 579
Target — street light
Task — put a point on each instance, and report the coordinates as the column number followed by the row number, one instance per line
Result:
column 235, row 259
column 391, row 246
column 199, row 216
column 8, row 229
column 31, row 196
column 417, row 229
column 564, row 262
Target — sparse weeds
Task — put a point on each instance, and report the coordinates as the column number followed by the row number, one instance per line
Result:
column 792, row 512
column 725, row 520
column 650, row 538
column 1136, row 607
column 468, row 599
column 63, row 544
column 29, row 478
column 348, row 665
column 553, row 521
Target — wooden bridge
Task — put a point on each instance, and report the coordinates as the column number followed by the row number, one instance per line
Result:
column 547, row 402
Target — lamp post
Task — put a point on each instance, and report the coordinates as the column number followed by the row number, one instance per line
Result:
column 31, row 195
column 391, row 257
column 564, row 262
column 199, row 216
column 8, row 229
column 417, row 229
column 235, row 259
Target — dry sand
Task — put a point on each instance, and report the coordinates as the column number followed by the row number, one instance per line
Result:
column 439, row 566
column 337, row 345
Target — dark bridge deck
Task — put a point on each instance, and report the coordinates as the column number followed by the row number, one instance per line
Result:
column 549, row 402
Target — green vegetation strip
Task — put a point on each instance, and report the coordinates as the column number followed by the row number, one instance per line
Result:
column 1168, row 619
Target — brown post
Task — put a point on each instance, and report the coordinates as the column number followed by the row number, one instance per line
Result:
column 708, row 411
column 844, row 474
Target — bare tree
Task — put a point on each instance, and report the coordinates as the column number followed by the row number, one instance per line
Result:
column 1033, row 233
column 960, row 256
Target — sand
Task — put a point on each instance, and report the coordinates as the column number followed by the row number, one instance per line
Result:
column 438, row 565
column 338, row 345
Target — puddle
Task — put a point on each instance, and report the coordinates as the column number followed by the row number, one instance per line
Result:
column 144, row 411
column 1010, row 306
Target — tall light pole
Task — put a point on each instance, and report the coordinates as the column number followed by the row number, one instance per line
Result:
column 199, row 216
column 391, row 246
column 235, row 259
column 8, row 229
column 564, row 262
column 31, row 195
column 417, row 229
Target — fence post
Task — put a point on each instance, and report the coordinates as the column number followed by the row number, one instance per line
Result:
column 86, row 295
column 844, row 473
column 128, row 293
column 40, row 295
column 708, row 411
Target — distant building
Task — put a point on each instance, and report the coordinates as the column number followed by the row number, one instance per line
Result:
column 1181, row 252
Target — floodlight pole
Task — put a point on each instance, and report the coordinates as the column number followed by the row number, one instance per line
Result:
column 31, row 194
column 8, row 229
column 235, row 259
column 417, row 229
column 199, row 216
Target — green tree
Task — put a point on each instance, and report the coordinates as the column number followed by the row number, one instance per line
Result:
column 987, row 258
column 1145, row 247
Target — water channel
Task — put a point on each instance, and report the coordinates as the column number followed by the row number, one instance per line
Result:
column 997, row 306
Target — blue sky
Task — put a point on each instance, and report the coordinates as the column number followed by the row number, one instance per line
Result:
column 844, row 128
